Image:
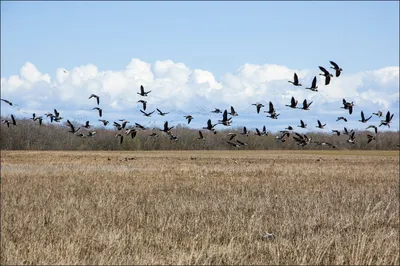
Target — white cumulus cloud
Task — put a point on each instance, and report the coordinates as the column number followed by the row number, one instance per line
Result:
column 177, row 88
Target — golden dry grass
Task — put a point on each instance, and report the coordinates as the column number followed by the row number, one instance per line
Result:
column 203, row 207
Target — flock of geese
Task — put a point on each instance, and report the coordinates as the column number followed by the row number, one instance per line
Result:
column 301, row 139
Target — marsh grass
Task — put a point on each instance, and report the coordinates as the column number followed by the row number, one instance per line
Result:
column 200, row 207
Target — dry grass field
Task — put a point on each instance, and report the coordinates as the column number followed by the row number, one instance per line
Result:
column 203, row 207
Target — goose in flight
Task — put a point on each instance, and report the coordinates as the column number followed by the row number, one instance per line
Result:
column 137, row 125
column 166, row 129
column 295, row 81
column 314, row 86
column 325, row 144
column 363, row 120
column 387, row 120
column 95, row 96
column 225, row 121
column 100, row 111
column 336, row 131
column 161, row 113
column 201, row 136
column 217, row 111
column 326, row 74
column 210, row 126
column 274, row 116
column 142, row 92
column 348, row 106
column 6, row 101
column 147, row 114
column 189, row 118
column 144, row 104
column 320, row 125
column 264, row 132
column 105, row 122
column 306, row 106
column 86, row 125
column 370, row 138
column 258, row 105
column 302, row 124
column 231, row 136
column 233, row 144
column 121, row 138
column 293, row 103
column 8, row 122
column 73, row 130
column 347, row 132
column 271, row 109
column 341, row 118
column 233, row 112
column 132, row 132
column 378, row 114
column 352, row 138
column 374, row 127
column 336, row 68
column 245, row 132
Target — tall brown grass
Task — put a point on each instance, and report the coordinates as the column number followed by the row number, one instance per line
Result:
column 204, row 207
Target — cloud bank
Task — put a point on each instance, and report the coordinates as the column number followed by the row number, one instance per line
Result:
column 178, row 89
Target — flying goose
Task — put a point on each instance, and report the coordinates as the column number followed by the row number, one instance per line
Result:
column 147, row 114
column 258, row 106
column 233, row 144
column 167, row 129
column 348, row 106
column 306, row 106
column 378, row 114
column 370, row 138
column 210, row 126
column 336, row 68
column 73, row 130
column 346, row 132
column 217, row 111
column 264, row 132
column 144, row 104
column 142, row 92
column 293, row 103
column 274, row 116
column 105, row 122
column 387, row 120
column 161, row 113
column 132, row 132
column 341, row 118
column 314, row 86
column 100, row 110
column 351, row 138
column 241, row 143
column 137, row 125
column 86, row 125
column 189, row 118
column 296, row 80
column 201, row 136
column 95, row 96
column 258, row 133
column 271, row 109
column 326, row 74
column 320, row 125
column 374, row 127
column 225, row 121
column 325, row 144
column 302, row 124
column 231, row 136
column 233, row 112
column 245, row 132
column 363, row 120
column 6, row 101
column 336, row 131
column 121, row 138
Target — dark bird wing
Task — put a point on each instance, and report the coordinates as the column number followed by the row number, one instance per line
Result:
column 225, row 116
column 350, row 109
column 324, row 70
column 201, row 134
column 271, row 107
column 141, row 89
column 13, row 120
column 100, row 112
column 362, row 116
column 327, row 80
column 314, row 82
column 334, row 64
column 296, row 79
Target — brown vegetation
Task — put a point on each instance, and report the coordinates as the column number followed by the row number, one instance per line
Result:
column 28, row 135
column 199, row 207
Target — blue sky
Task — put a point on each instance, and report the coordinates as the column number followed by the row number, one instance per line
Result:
column 218, row 37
